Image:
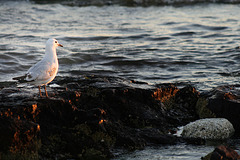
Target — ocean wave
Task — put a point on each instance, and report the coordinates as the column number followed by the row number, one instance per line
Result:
column 133, row 2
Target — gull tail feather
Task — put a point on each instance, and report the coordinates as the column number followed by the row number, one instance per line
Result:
column 21, row 79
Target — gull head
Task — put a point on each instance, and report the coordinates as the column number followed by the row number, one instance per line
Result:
column 53, row 42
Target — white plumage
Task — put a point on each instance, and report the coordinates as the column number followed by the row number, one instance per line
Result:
column 45, row 70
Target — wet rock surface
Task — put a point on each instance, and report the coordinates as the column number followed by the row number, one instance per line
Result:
column 209, row 128
column 87, row 117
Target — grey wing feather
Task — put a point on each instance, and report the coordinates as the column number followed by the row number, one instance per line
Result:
column 37, row 71
column 34, row 72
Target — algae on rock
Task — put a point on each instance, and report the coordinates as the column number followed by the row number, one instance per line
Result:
column 202, row 110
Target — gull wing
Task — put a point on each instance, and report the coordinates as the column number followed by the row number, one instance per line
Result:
column 41, row 71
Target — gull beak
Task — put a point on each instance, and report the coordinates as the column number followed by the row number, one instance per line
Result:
column 60, row 45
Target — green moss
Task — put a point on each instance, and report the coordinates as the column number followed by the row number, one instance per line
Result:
column 135, row 121
column 19, row 156
column 82, row 129
column 93, row 154
column 94, row 92
column 169, row 104
column 55, row 144
column 27, row 152
column 100, row 137
column 202, row 110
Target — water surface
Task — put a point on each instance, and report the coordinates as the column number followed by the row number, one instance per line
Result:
column 174, row 152
column 195, row 43
column 158, row 44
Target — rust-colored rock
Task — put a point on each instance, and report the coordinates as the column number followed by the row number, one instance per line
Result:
column 165, row 93
column 224, row 153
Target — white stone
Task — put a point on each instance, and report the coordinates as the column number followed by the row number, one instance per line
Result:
column 210, row 128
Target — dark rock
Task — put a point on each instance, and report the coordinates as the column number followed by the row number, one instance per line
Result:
column 179, row 103
column 86, row 117
column 138, row 82
column 18, row 132
column 223, row 102
column 154, row 136
column 222, row 152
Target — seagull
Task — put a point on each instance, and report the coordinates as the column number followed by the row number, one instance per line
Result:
column 45, row 70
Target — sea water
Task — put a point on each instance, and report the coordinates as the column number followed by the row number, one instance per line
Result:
column 197, row 44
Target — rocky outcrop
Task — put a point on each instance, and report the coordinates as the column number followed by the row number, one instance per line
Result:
column 209, row 129
column 86, row 117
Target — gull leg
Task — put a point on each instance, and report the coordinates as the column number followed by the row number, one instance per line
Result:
column 40, row 91
column 46, row 91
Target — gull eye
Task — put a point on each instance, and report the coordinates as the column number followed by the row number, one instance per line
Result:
column 55, row 41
